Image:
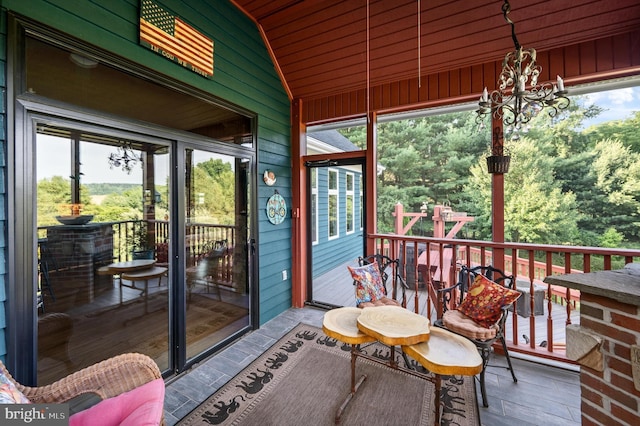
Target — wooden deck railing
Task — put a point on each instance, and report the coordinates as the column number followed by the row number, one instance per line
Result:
column 533, row 263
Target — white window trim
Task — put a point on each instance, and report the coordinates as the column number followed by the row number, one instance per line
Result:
column 350, row 193
column 314, row 195
column 361, row 201
column 333, row 192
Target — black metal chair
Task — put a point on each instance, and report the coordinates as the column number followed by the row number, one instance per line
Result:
column 208, row 268
column 456, row 294
column 388, row 266
column 45, row 263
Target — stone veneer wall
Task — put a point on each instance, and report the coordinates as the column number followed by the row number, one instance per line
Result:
column 609, row 397
column 76, row 252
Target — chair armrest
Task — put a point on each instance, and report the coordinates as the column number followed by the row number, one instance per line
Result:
column 445, row 295
column 503, row 318
column 106, row 379
column 403, row 283
column 403, row 286
column 448, row 289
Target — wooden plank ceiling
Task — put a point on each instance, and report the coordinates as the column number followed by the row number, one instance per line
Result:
column 321, row 46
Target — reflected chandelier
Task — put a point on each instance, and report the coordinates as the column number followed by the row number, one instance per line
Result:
column 125, row 158
column 512, row 102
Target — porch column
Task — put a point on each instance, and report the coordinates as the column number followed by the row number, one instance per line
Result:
column 371, row 164
column 497, row 194
column 300, row 259
column 149, row 193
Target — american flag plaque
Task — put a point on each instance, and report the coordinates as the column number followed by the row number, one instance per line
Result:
column 177, row 41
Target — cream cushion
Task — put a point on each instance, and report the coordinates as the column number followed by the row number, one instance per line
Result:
column 458, row 322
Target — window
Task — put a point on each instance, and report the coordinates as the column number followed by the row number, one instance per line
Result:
column 351, row 208
column 333, row 204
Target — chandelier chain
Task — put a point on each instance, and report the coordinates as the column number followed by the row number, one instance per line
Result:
column 506, row 8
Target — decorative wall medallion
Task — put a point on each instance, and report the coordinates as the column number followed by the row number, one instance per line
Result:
column 269, row 177
column 276, row 209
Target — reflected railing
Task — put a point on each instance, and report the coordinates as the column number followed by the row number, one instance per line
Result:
column 537, row 326
column 199, row 238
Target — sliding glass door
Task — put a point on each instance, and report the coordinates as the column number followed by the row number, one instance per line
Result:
column 132, row 257
column 102, row 198
column 129, row 214
column 216, row 233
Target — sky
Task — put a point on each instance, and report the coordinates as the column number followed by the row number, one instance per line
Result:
column 619, row 104
column 53, row 159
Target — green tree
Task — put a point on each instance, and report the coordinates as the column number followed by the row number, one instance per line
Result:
column 536, row 210
column 426, row 160
column 617, row 174
column 567, row 184
column 215, row 180
column 215, row 167
column 625, row 131
column 119, row 206
column 611, row 238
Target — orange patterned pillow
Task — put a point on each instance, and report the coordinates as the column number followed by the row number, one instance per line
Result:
column 485, row 299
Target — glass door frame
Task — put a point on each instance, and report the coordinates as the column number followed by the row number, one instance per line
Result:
column 179, row 232
column 21, row 212
column 318, row 161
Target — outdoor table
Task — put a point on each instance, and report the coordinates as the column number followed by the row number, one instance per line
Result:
column 441, row 273
column 136, row 270
column 130, row 265
column 437, row 350
column 143, row 275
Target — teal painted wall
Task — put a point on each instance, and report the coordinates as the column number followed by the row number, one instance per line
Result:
column 243, row 75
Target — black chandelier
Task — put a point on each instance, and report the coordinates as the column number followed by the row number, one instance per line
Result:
column 512, row 102
column 125, row 158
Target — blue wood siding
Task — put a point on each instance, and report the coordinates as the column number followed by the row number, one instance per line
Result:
column 243, row 75
column 329, row 253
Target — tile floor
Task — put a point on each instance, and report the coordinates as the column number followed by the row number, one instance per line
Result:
column 544, row 395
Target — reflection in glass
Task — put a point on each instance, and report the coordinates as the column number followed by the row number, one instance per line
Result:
column 89, row 309
column 215, row 242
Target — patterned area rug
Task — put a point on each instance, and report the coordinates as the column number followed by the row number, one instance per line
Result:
column 305, row 377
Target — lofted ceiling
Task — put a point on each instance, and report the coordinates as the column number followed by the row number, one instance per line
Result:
column 321, row 46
